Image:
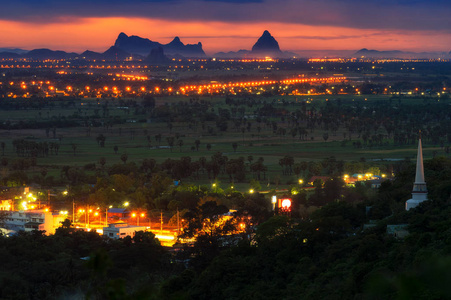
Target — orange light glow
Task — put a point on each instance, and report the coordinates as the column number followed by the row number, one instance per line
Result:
column 286, row 203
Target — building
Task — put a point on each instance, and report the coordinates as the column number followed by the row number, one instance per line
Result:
column 118, row 214
column 6, row 204
column 419, row 192
column 121, row 230
column 29, row 220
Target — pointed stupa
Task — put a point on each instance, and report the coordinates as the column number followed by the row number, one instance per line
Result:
column 419, row 192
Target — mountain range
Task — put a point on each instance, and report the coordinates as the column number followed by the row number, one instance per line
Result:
column 124, row 47
column 399, row 54
column 156, row 53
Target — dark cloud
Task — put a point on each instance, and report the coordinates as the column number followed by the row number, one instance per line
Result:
column 366, row 14
column 235, row 1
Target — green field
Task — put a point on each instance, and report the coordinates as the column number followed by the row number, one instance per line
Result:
column 132, row 133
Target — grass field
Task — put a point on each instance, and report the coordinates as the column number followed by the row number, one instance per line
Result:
column 131, row 137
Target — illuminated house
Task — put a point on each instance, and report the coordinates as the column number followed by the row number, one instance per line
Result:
column 29, row 220
column 6, row 205
column 118, row 213
column 121, row 230
column 419, row 192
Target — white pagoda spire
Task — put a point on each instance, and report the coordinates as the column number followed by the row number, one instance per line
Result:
column 419, row 192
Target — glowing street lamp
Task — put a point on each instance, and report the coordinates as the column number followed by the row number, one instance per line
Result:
column 135, row 215
column 251, row 191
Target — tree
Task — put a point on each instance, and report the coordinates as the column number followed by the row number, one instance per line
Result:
column 115, row 148
column 124, row 157
column 197, row 143
column 102, row 161
column 170, row 140
column 101, row 140
column 208, row 147
column 74, row 147
column 180, row 144
column 234, row 145
column 325, row 136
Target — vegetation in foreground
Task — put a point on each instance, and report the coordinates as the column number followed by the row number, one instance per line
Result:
column 326, row 255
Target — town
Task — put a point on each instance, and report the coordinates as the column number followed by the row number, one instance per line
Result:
column 225, row 150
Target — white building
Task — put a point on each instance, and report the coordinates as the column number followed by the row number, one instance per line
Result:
column 29, row 220
column 121, row 230
column 419, row 192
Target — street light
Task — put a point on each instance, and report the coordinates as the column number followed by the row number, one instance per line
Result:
column 251, row 191
column 301, row 181
column 126, row 204
column 135, row 215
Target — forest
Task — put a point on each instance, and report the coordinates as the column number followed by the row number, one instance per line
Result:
column 328, row 254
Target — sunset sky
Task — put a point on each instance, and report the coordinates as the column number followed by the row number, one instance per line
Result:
column 229, row 25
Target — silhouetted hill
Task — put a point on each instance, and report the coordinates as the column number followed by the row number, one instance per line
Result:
column 375, row 53
column 189, row 50
column 137, row 45
column 115, row 53
column 233, row 54
column 266, row 44
column 8, row 55
column 157, row 57
column 13, row 50
column 41, row 54
column 397, row 54
column 91, row 55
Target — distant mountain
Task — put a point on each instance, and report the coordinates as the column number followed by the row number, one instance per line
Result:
column 233, row 54
column 91, row 55
column 115, row 53
column 398, row 54
column 8, row 55
column 157, row 57
column 375, row 53
column 41, row 54
column 189, row 50
column 137, row 45
column 266, row 44
column 13, row 50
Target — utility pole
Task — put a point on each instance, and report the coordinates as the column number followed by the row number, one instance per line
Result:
column 161, row 221
column 178, row 224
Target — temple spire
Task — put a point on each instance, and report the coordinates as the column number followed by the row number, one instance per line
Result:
column 419, row 191
column 419, row 176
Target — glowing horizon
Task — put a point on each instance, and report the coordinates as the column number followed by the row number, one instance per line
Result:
column 229, row 25
column 98, row 34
